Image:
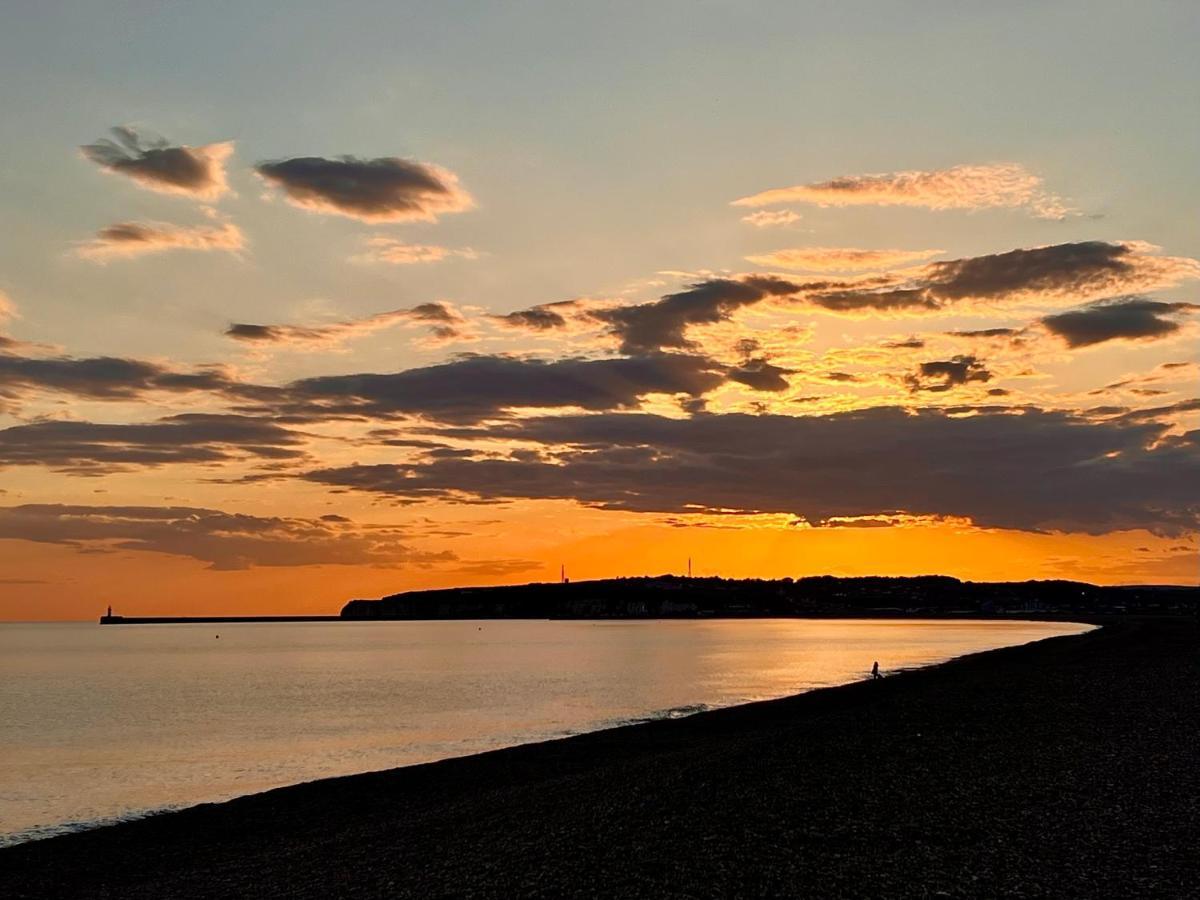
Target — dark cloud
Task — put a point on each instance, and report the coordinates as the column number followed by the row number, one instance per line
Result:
column 102, row 377
column 446, row 323
column 893, row 300
column 1086, row 269
column 387, row 189
column 90, row 448
column 478, row 387
column 466, row 389
column 244, row 331
column 107, row 377
column 986, row 333
column 536, row 318
column 944, row 374
column 197, row 172
column 662, row 324
column 761, row 375
column 435, row 312
column 1079, row 270
column 1129, row 318
column 223, row 540
column 1058, row 269
column 1027, row 469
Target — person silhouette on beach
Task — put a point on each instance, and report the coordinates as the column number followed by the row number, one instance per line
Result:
column 875, row 676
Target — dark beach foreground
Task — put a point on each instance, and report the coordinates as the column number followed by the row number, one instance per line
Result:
column 1066, row 768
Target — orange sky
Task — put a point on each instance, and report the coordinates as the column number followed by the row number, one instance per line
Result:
column 764, row 294
column 81, row 585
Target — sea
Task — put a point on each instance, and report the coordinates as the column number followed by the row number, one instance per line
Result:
column 104, row 723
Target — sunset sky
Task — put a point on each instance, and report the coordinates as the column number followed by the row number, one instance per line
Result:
column 307, row 302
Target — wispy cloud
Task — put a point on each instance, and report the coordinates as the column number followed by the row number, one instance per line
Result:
column 771, row 218
column 153, row 163
column 387, row 189
column 125, row 240
column 999, row 185
column 383, row 249
column 445, row 322
column 226, row 541
column 8, row 308
column 840, row 259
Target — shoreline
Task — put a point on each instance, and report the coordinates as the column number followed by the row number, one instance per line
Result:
column 71, row 827
column 397, row 832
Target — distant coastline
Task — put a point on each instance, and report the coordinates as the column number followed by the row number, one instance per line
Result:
column 672, row 596
column 679, row 597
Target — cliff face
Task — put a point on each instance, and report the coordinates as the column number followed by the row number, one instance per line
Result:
column 671, row 596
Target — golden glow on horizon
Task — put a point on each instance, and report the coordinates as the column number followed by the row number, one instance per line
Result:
column 57, row 583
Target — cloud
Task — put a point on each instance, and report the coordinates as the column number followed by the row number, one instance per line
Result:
column 759, row 374
column 495, row 568
column 445, row 322
column 106, row 377
column 89, row 448
column 1003, row 185
column 942, row 375
column 840, row 259
column 152, row 163
column 8, row 309
column 1024, row 469
column 128, row 239
column 386, row 189
column 10, row 345
column 1045, row 274
column 771, row 218
column 986, row 333
column 1082, row 270
column 536, row 318
column 571, row 315
column 475, row 388
column 226, row 541
column 1127, row 318
column 663, row 323
column 1052, row 273
column 391, row 250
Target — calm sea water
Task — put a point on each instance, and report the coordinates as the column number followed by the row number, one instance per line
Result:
column 99, row 723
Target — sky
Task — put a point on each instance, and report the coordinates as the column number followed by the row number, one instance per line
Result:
column 302, row 303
